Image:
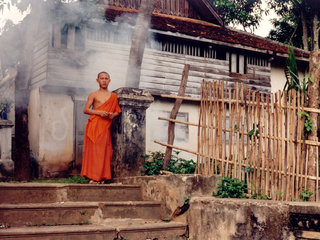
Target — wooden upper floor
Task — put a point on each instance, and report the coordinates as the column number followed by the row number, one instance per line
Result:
column 195, row 9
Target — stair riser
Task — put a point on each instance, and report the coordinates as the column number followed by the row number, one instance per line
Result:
column 74, row 215
column 147, row 212
column 107, row 194
column 38, row 217
column 31, row 195
column 64, row 194
column 163, row 234
column 68, row 236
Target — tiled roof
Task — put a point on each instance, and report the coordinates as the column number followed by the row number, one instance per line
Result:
column 202, row 29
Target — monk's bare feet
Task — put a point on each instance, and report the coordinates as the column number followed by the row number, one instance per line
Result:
column 93, row 182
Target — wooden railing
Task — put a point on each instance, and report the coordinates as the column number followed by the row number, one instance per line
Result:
column 170, row 7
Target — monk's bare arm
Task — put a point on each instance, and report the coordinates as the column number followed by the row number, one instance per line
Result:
column 87, row 108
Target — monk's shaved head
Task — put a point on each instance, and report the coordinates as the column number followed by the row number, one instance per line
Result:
column 103, row 72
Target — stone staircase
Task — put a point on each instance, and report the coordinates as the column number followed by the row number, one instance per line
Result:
column 305, row 220
column 81, row 211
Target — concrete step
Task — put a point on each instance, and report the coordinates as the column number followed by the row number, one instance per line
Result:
column 132, row 231
column 306, row 235
column 55, row 192
column 75, row 212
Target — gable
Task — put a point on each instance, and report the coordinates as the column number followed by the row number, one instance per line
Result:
column 194, row 9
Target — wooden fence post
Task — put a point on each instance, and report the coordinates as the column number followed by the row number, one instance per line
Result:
column 174, row 113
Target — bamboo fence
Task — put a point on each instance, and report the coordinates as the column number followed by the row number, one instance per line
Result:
column 257, row 138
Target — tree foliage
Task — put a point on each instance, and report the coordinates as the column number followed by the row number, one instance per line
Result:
column 287, row 30
column 247, row 13
column 298, row 23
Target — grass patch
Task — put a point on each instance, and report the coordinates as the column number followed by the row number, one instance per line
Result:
column 74, row 179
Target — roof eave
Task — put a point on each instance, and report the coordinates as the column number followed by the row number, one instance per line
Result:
column 207, row 10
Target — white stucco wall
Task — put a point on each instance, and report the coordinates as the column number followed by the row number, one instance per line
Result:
column 34, row 120
column 185, row 136
column 51, row 131
column 278, row 78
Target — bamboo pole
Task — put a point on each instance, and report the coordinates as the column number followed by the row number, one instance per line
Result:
column 228, row 172
column 242, row 124
column 278, row 143
column 245, row 137
column 250, row 156
column 307, row 142
column 211, row 117
column 176, row 147
column 198, row 170
column 287, row 144
column 293, row 129
column 306, row 168
column 273, row 148
column 267, row 145
column 204, row 132
column 281, row 148
column 258, row 142
column 217, row 123
column 303, row 149
column 236, row 148
column 223, row 160
column 223, row 126
column 298, row 136
column 264, row 146
column 205, row 129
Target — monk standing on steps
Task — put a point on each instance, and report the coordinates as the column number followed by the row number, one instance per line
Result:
column 97, row 150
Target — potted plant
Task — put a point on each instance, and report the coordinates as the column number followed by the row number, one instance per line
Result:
column 5, row 107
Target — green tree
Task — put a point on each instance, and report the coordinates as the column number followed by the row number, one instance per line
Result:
column 247, row 13
column 287, row 30
column 299, row 18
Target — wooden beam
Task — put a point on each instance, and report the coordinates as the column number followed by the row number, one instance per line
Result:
column 174, row 113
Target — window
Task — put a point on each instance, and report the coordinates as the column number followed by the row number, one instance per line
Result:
column 67, row 37
column 186, row 47
column 237, row 63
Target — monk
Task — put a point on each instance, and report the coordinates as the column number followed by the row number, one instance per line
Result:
column 103, row 106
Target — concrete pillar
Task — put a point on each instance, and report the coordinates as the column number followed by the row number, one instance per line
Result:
column 128, row 132
column 6, row 162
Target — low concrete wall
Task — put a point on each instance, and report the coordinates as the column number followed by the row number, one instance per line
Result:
column 223, row 219
column 6, row 162
column 211, row 218
column 171, row 189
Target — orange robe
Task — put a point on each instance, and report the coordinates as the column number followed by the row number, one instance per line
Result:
column 97, row 149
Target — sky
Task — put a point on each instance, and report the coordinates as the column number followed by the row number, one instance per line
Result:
column 265, row 25
column 13, row 14
column 16, row 16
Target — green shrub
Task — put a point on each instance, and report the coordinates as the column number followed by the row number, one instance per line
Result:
column 260, row 196
column 305, row 195
column 231, row 188
column 180, row 166
column 154, row 164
